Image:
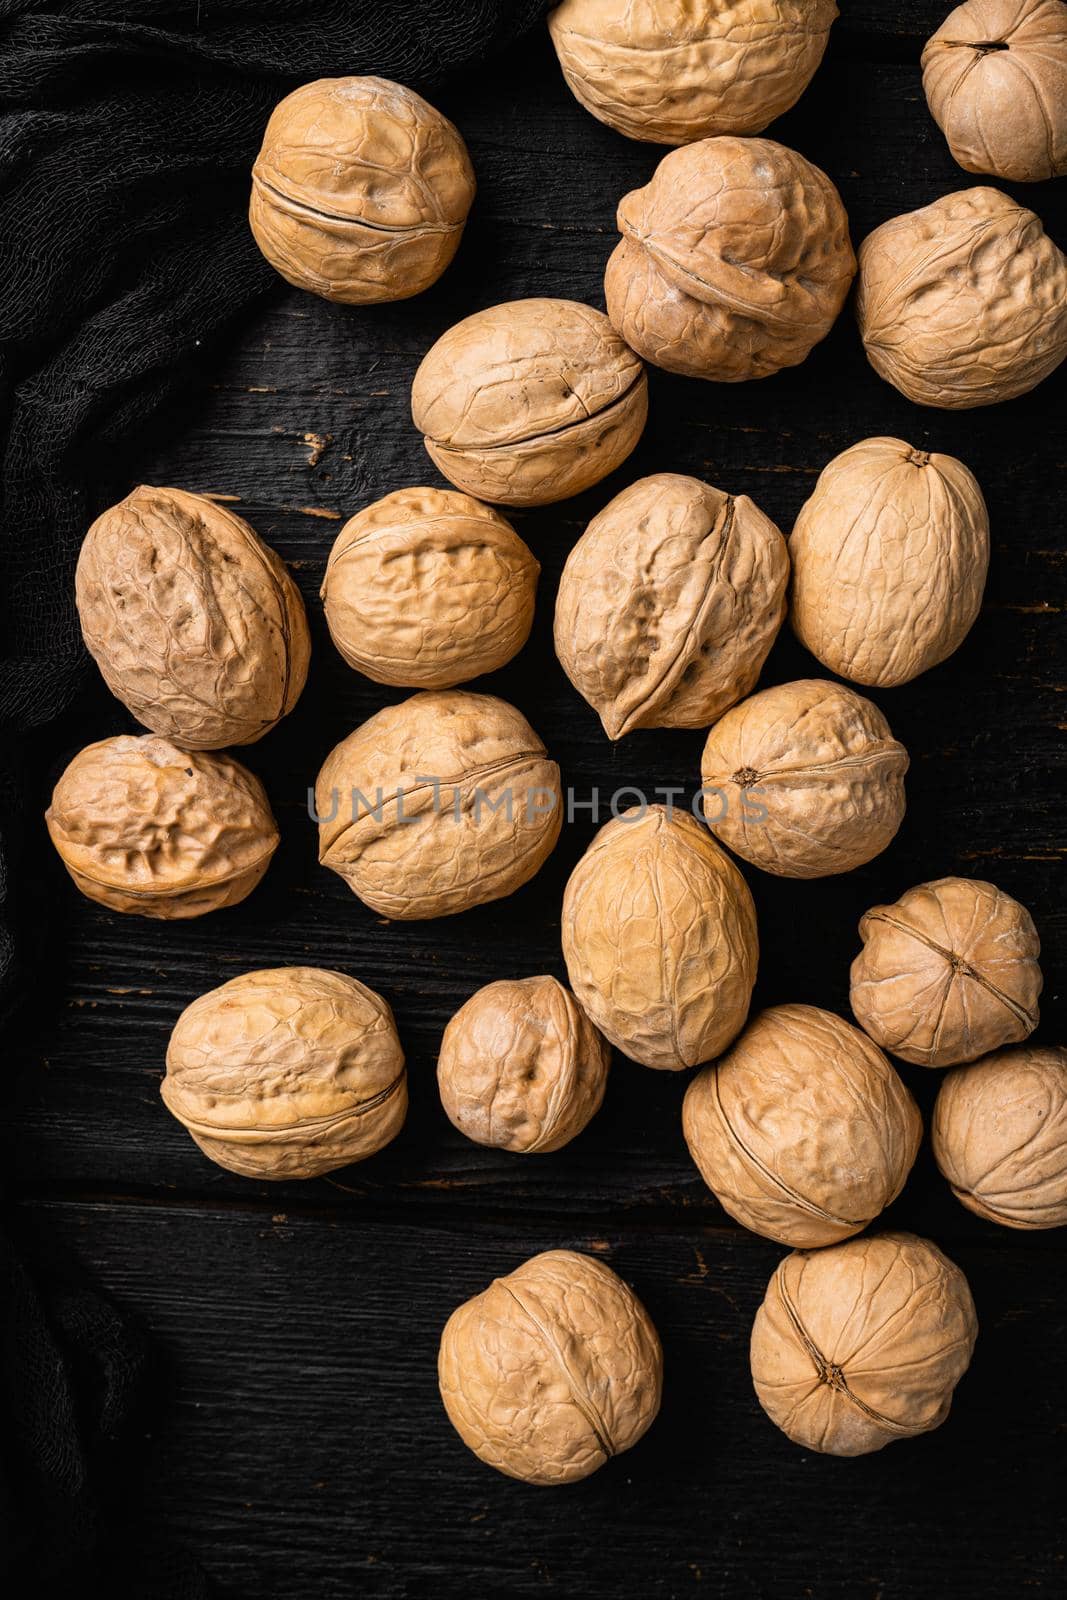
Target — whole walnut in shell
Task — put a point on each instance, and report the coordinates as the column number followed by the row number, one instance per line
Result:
column 669, row 604
column 144, row 827
column 734, row 262
column 360, row 191
column 287, row 1073
column 552, row 1370
column 802, row 1130
column 947, row 973
column 427, row 588
column 530, row 401
column 659, row 937
column 863, row 1343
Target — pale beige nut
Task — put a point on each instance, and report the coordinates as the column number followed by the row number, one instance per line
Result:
column 144, row 827
column 802, row 1130
column 863, row 1343
column 669, row 604
column 360, row 191
column 287, row 1073
column 947, row 973
column 964, row 302
column 734, row 262
column 530, row 401
column 659, row 937
column 552, row 1370
column 442, row 802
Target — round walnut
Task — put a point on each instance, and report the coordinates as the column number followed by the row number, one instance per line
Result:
column 428, row 588
column 530, row 401
column 360, row 191
column 144, row 827
column 669, row 604
column 803, row 1131
column 804, row 779
column 734, row 262
column 964, row 302
column 659, row 937
column 194, row 622
column 947, row 973
column 287, row 1073
column 552, row 1370
column 437, row 804
column 521, row 1066
column 864, row 1343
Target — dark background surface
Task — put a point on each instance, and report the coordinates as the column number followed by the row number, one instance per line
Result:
column 296, row 1445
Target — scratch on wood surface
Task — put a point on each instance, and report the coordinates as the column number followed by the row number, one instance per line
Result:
column 310, row 511
column 317, row 443
column 211, row 494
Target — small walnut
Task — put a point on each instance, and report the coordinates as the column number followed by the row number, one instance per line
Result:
column 669, row 604
column 144, row 827
column 802, row 1130
column 735, row 260
column 659, row 937
column 804, row 779
column 552, row 1370
column 530, row 401
column 287, row 1073
column 360, row 191
column 947, row 973
column 863, row 1343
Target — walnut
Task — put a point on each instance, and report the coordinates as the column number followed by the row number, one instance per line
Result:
column 734, row 262
column 360, row 191
column 659, row 937
column 964, row 302
column 530, row 401
column 287, row 1073
column 144, row 827
column 521, row 1066
column 863, row 1343
column 804, row 779
column 803, row 1130
column 428, row 588
column 669, row 604
column 947, row 973
column 551, row 1370
column 442, row 802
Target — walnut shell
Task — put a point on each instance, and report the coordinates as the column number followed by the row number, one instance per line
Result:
column 947, row 973
column 442, row 802
column 669, row 604
column 530, row 401
column 963, row 303
column 360, row 191
column 804, row 779
column 863, row 1343
column 889, row 558
column 734, row 262
column 146, row 828
column 802, row 1130
column 659, row 937
column 551, row 1370
column 287, row 1073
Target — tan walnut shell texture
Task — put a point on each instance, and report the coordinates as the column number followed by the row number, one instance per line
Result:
column 863, row 1343
column 947, row 973
column 734, row 261
column 802, row 1130
column 427, row 588
column 552, row 1370
column 669, row 604
column 530, row 401
column 442, row 802
column 360, row 191
column 659, row 937
column 287, row 1073
column 521, row 1066
column 146, row 828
